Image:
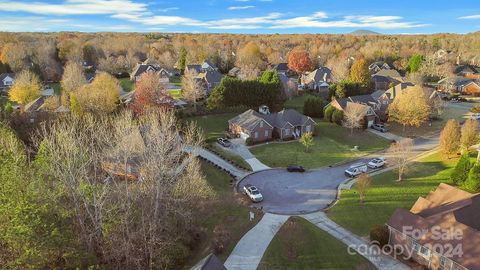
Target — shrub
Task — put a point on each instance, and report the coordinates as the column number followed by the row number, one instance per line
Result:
column 249, row 141
column 313, row 107
column 379, row 235
column 473, row 180
column 460, row 172
column 328, row 113
column 337, row 117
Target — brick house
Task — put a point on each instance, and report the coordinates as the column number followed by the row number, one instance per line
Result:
column 448, row 220
column 370, row 106
column 284, row 125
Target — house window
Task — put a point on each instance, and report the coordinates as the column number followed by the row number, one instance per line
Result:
column 255, row 135
column 308, row 128
column 423, row 251
column 444, row 262
column 266, row 133
column 287, row 132
column 261, row 124
column 416, row 247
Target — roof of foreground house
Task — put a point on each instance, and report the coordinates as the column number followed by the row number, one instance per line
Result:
column 211, row 262
column 447, row 208
column 249, row 119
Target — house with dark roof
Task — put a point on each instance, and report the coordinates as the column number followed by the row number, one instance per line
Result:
column 318, row 80
column 284, row 125
column 281, row 68
column 467, row 71
column 385, row 78
column 6, row 81
column 441, row 230
column 379, row 65
column 459, row 84
column 211, row 262
column 210, row 79
column 208, row 65
column 371, row 108
column 140, row 69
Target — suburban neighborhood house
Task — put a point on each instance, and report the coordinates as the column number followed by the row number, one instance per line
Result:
column 460, row 85
column 284, row 125
column 207, row 74
column 447, row 209
column 6, row 81
column 379, row 65
column 318, row 80
column 385, row 78
column 142, row 68
column 467, row 71
column 371, row 108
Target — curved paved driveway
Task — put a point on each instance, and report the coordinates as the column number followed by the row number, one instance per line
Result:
column 296, row 193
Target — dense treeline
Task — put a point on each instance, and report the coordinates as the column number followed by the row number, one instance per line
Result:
column 117, row 53
column 233, row 92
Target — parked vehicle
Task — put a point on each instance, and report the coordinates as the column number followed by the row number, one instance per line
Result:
column 376, row 163
column 224, row 142
column 295, row 168
column 253, row 193
column 379, row 127
column 356, row 169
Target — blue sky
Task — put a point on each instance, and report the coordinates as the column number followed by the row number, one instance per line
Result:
column 241, row 16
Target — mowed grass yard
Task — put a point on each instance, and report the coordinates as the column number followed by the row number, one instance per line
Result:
column 213, row 125
column 332, row 145
column 386, row 194
column 227, row 214
column 301, row 245
column 457, row 111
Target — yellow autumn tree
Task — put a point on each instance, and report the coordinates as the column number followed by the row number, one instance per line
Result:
column 410, row 107
column 99, row 97
column 26, row 88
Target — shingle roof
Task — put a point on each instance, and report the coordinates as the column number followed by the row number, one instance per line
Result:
column 251, row 118
column 393, row 91
column 3, row 76
column 392, row 73
column 197, row 68
column 211, row 262
column 281, row 67
column 141, row 68
column 466, row 69
column 34, row 105
column 446, row 208
column 319, row 75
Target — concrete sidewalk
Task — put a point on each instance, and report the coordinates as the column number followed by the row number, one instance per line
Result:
column 380, row 261
column 249, row 251
column 241, row 150
column 217, row 161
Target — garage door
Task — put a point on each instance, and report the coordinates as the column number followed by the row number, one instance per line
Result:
column 370, row 123
column 244, row 135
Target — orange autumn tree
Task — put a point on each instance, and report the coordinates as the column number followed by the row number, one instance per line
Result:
column 299, row 61
column 151, row 94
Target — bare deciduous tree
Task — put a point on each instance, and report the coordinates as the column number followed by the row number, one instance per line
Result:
column 399, row 154
column 353, row 116
column 363, row 184
column 192, row 88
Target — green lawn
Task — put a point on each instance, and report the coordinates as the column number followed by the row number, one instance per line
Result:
column 297, row 102
column 429, row 129
column 176, row 94
column 386, row 194
column 301, row 245
column 57, row 88
column 127, row 84
column 332, row 145
column 231, row 156
column 213, row 125
column 226, row 213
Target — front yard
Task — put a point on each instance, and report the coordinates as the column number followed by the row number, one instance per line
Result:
column 386, row 194
column 332, row 145
column 224, row 221
column 213, row 125
column 457, row 111
column 301, row 245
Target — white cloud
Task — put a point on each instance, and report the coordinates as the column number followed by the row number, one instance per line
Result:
column 319, row 20
column 33, row 24
column 167, row 9
column 74, row 7
column 470, row 17
column 240, row 7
